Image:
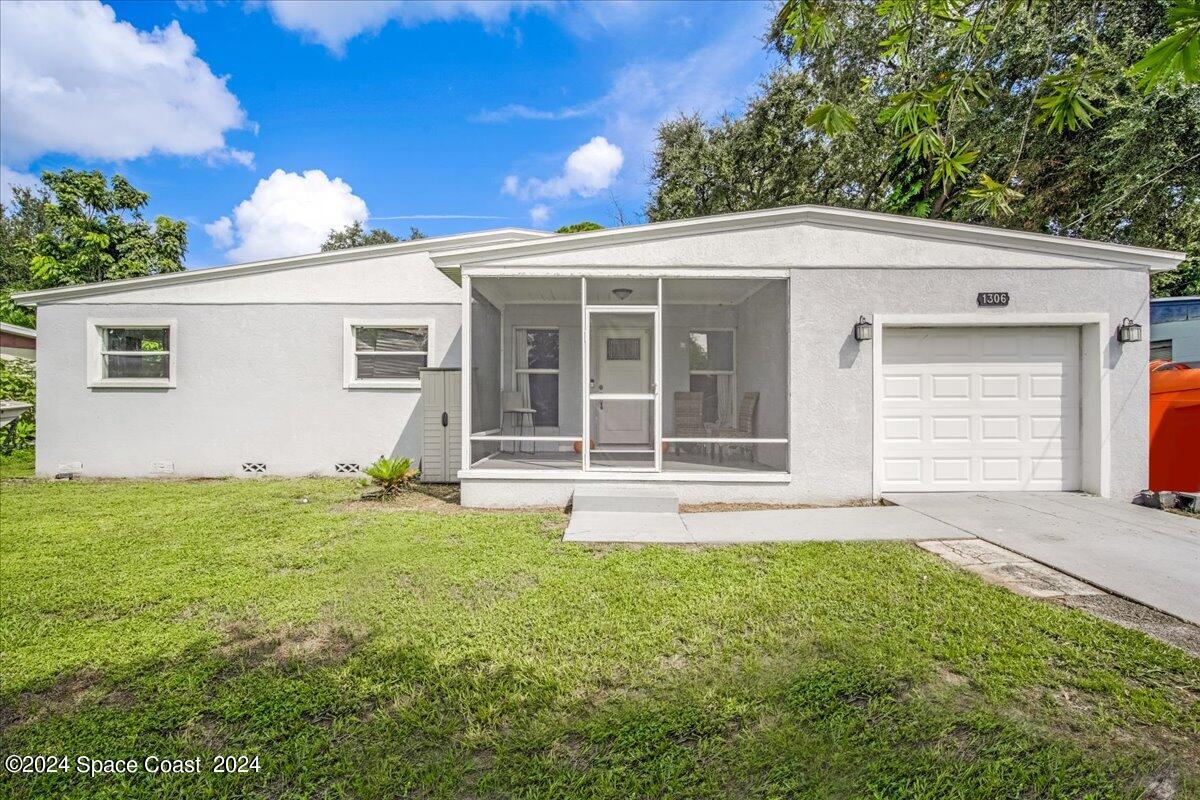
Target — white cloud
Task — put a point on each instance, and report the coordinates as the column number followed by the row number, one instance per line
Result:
column 589, row 170
column 333, row 23
column 539, row 214
column 74, row 79
column 10, row 178
column 289, row 213
column 221, row 232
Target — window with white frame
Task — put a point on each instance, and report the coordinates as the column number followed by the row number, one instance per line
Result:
column 535, row 372
column 712, row 372
column 132, row 353
column 382, row 354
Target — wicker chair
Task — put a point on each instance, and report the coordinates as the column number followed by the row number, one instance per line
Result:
column 689, row 417
column 747, row 419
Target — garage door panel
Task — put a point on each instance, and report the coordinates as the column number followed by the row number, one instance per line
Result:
column 980, row 408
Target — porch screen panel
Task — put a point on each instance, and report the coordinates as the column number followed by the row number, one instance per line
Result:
column 725, row 374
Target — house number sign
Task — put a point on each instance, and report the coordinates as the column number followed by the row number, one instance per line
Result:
column 992, row 299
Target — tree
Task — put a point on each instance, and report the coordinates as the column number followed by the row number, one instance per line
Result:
column 355, row 235
column 79, row 227
column 581, row 227
column 1039, row 116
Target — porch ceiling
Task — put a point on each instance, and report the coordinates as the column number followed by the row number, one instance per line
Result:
column 688, row 291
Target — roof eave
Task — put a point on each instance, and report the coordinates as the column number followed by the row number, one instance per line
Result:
column 430, row 245
column 450, row 261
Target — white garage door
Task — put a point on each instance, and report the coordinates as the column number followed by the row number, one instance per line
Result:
column 980, row 409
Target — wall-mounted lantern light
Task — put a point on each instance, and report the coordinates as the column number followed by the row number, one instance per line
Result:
column 862, row 330
column 622, row 294
column 1129, row 331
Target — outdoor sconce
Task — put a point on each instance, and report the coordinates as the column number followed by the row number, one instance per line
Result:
column 622, row 294
column 862, row 330
column 1129, row 331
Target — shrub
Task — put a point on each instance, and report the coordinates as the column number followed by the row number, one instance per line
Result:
column 392, row 475
column 18, row 382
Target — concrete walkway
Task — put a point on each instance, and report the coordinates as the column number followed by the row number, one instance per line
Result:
column 1150, row 556
column 869, row 523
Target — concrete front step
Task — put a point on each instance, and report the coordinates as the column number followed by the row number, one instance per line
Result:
column 626, row 500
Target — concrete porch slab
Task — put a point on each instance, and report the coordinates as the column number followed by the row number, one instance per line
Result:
column 625, row 526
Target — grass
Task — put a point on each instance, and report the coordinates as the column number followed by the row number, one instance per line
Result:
column 18, row 464
column 364, row 652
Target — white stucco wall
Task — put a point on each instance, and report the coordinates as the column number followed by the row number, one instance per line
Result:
column 256, row 382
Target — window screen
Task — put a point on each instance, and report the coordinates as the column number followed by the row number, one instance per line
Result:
column 390, row 353
column 136, row 353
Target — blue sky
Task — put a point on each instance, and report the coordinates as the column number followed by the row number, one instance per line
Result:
column 257, row 123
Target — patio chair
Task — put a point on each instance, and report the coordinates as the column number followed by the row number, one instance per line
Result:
column 689, row 417
column 514, row 406
column 747, row 419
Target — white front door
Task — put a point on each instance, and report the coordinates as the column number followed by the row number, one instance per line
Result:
column 624, row 368
column 980, row 408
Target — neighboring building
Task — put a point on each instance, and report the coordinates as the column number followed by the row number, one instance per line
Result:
column 18, row 341
column 804, row 354
column 1175, row 330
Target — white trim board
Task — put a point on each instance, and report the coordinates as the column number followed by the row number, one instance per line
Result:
column 429, row 245
column 1118, row 255
column 1095, row 334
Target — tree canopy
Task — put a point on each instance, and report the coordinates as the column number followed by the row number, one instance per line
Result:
column 355, row 235
column 1076, row 118
column 581, row 227
column 79, row 227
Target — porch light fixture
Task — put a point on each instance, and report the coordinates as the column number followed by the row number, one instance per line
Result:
column 1129, row 331
column 622, row 294
column 862, row 330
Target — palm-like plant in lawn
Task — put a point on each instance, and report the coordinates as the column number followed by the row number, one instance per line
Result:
column 392, row 475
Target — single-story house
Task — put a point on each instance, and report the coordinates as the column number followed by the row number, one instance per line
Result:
column 803, row 354
column 18, row 341
column 1175, row 330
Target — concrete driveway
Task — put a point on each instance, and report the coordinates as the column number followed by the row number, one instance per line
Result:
column 1149, row 556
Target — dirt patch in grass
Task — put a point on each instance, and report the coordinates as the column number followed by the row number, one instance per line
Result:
column 1163, row 627
column 436, row 499
column 250, row 645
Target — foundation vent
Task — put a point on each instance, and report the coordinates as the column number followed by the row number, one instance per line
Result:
column 346, row 468
column 254, row 467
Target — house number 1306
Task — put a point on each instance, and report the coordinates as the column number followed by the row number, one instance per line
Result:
column 992, row 299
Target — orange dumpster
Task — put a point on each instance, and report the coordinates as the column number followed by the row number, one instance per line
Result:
column 1174, row 427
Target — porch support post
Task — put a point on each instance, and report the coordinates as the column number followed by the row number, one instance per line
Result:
column 466, row 373
column 656, row 442
column 585, row 374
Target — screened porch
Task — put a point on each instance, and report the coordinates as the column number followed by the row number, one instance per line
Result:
column 675, row 375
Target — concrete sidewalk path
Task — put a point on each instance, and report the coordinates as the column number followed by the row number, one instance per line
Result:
column 1150, row 556
column 867, row 523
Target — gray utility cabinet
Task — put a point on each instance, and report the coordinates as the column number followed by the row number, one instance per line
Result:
column 441, row 425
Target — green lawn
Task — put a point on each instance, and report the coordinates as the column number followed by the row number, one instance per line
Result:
column 18, row 464
column 364, row 652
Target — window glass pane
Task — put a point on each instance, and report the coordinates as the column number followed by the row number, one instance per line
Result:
column 543, row 399
column 153, row 366
column 391, row 340
column 542, row 346
column 387, row 366
column 711, row 350
column 137, row 339
column 707, row 386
